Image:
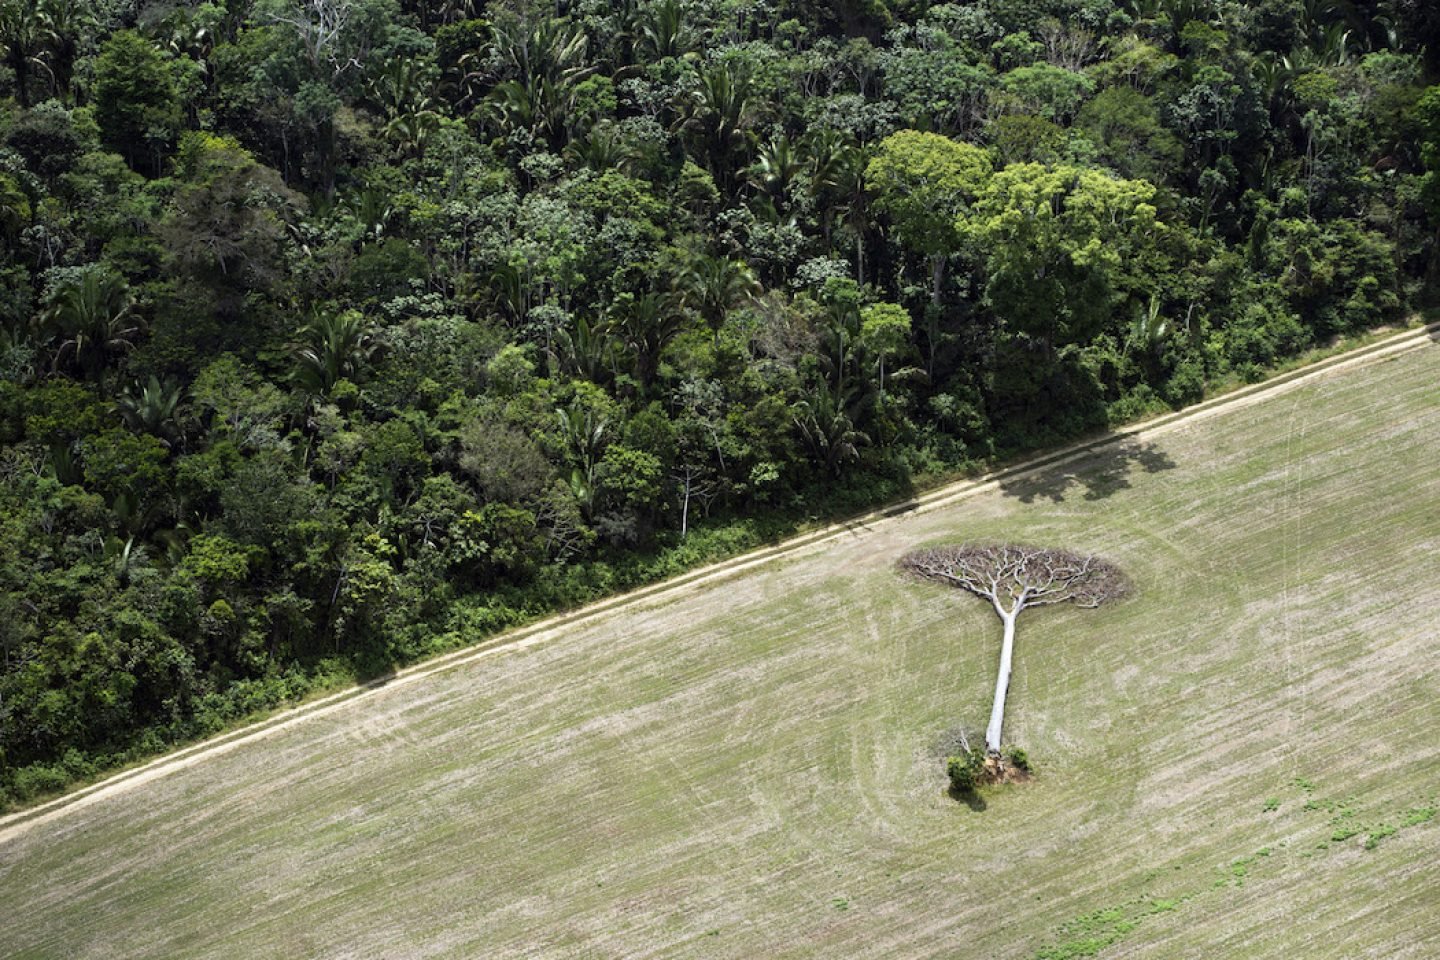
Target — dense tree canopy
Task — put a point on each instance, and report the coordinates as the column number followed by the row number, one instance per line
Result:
column 336, row 332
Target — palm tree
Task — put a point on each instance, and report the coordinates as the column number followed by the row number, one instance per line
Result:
column 170, row 545
column 1181, row 12
column 180, row 35
column 93, row 320
column 603, row 148
column 1317, row 18
column 1145, row 337
column 152, row 407
column 585, row 435
column 777, row 164
column 712, row 286
column 452, row 11
column 836, row 167
column 1332, row 47
column 829, row 431
column 22, row 33
column 125, row 557
column 412, row 132
column 512, row 292
column 372, row 210
column 513, row 106
column 400, row 94
column 333, row 347
column 843, row 343
column 720, row 109
column 63, row 24
column 648, row 323
column 553, row 50
column 431, row 13
column 585, row 349
column 464, row 80
column 135, row 516
column 1276, row 76
column 662, row 31
column 541, row 66
column 1143, row 11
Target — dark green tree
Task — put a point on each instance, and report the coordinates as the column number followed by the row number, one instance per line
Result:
column 137, row 102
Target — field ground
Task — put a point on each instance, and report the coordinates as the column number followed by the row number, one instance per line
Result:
column 1241, row 761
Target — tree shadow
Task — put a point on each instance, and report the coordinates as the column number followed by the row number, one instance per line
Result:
column 971, row 798
column 1102, row 471
column 372, row 673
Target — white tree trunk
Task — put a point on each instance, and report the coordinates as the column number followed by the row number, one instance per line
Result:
column 1002, row 684
column 685, row 508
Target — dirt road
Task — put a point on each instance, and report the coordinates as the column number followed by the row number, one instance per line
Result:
column 554, row 628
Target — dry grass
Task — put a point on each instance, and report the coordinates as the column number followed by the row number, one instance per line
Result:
column 750, row 772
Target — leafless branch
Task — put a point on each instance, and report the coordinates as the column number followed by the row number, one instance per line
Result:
column 1012, row 577
column 1068, row 47
column 1015, row 576
column 320, row 25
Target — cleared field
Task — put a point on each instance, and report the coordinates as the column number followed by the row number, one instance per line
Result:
column 749, row 771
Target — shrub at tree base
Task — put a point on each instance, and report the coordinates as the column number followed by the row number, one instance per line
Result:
column 976, row 768
column 966, row 770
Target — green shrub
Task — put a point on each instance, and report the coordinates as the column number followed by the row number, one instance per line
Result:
column 473, row 618
column 962, row 778
column 1140, row 401
column 1186, row 384
column 1018, row 758
column 964, row 770
column 38, row 779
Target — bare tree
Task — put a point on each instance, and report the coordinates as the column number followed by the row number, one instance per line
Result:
column 320, row 26
column 1014, row 577
column 1068, row 47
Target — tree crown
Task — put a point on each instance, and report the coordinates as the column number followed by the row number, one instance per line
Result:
column 1020, row 575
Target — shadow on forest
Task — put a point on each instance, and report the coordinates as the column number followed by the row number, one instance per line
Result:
column 1102, row 472
column 373, row 676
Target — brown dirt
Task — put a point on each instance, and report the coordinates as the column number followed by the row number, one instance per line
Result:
column 998, row 772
